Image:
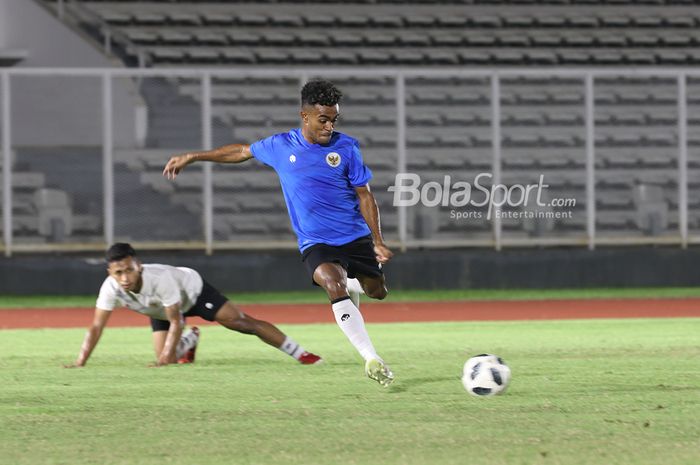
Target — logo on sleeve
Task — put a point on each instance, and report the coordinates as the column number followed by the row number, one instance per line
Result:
column 333, row 159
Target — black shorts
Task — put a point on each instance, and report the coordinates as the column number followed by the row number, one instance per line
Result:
column 209, row 302
column 357, row 257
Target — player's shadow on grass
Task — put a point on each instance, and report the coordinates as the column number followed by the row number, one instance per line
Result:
column 404, row 384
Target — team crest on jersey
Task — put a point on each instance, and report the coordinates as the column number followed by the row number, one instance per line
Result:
column 333, row 159
column 292, row 158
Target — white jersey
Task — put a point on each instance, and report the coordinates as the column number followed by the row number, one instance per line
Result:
column 162, row 286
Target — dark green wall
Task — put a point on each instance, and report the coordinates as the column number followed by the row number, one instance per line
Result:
column 443, row 269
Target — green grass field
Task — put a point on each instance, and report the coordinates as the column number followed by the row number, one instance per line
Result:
column 583, row 392
column 316, row 296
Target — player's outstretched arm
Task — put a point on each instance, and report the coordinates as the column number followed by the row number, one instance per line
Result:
column 168, row 354
column 233, row 153
column 91, row 337
column 370, row 212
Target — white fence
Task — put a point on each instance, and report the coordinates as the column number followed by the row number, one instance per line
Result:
column 101, row 219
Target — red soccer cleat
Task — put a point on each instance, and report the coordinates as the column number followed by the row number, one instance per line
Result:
column 307, row 358
column 189, row 355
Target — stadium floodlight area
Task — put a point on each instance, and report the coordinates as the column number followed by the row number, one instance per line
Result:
column 594, row 143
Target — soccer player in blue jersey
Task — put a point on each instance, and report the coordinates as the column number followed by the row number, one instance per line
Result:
column 331, row 208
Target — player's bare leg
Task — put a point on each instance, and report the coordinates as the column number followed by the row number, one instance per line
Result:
column 159, row 341
column 333, row 279
column 233, row 318
column 186, row 348
column 374, row 288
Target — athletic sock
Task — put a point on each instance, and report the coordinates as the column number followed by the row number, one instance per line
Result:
column 352, row 324
column 291, row 348
column 354, row 291
column 187, row 341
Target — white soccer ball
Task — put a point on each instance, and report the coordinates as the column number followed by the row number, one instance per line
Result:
column 485, row 375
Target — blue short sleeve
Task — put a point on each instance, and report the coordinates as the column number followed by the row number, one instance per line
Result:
column 358, row 173
column 264, row 149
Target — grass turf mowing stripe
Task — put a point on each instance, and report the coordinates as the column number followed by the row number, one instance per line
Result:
column 583, row 392
column 316, row 296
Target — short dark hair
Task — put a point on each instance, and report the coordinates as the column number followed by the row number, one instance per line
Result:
column 119, row 251
column 320, row 92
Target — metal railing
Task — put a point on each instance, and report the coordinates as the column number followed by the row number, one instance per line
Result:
column 589, row 238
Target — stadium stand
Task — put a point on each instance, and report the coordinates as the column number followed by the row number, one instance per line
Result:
column 449, row 119
column 401, row 32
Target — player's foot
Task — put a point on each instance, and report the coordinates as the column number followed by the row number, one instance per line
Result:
column 307, row 358
column 377, row 370
column 189, row 355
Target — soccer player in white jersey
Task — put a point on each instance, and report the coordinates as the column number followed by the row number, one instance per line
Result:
column 167, row 295
column 331, row 208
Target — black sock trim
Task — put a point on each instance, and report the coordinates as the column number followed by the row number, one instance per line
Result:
column 339, row 299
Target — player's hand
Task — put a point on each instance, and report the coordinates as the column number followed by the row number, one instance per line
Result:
column 382, row 253
column 175, row 165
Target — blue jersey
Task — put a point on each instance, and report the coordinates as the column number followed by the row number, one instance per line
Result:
column 319, row 183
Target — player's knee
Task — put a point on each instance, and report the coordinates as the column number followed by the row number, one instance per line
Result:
column 331, row 285
column 378, row 293
column 233, row 319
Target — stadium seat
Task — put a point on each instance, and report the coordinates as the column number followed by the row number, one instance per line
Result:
column 648, row 21
column 378, row 57
column 672, row 57
column 286, row 20
column 206, row 37
column 452, row 21
column 319, row 20
column 149, row 18
column 115, row 17
column 312, row 38
column 386, row 21
column 475, row 57
column 419, row 20
column 441, row 39
column 380, row 39
column 55, row 213
column 251, row 19
column 615, row 21
column 541, row 57
column 203, row 55
column 217, row 18
column 424, row 119
column 283, row 39
column 175, row 37
column 305, row 56
column 358, row 21
column 243, row 38
column 339, row 56
column 651, row 209
column 184, row 18
column 272, row 56
column 413, row 40
column 408, row 57
column 139, row 36
column 238, row 55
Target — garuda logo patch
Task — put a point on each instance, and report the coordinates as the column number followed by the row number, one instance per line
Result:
column 333, row 159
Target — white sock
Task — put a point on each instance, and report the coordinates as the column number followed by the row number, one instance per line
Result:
column 187, row 341
column 291, row 348
column 354, row 291
column 352, row 324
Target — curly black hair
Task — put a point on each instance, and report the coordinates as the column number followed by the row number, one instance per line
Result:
column 320, row 92
column 119, row 251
